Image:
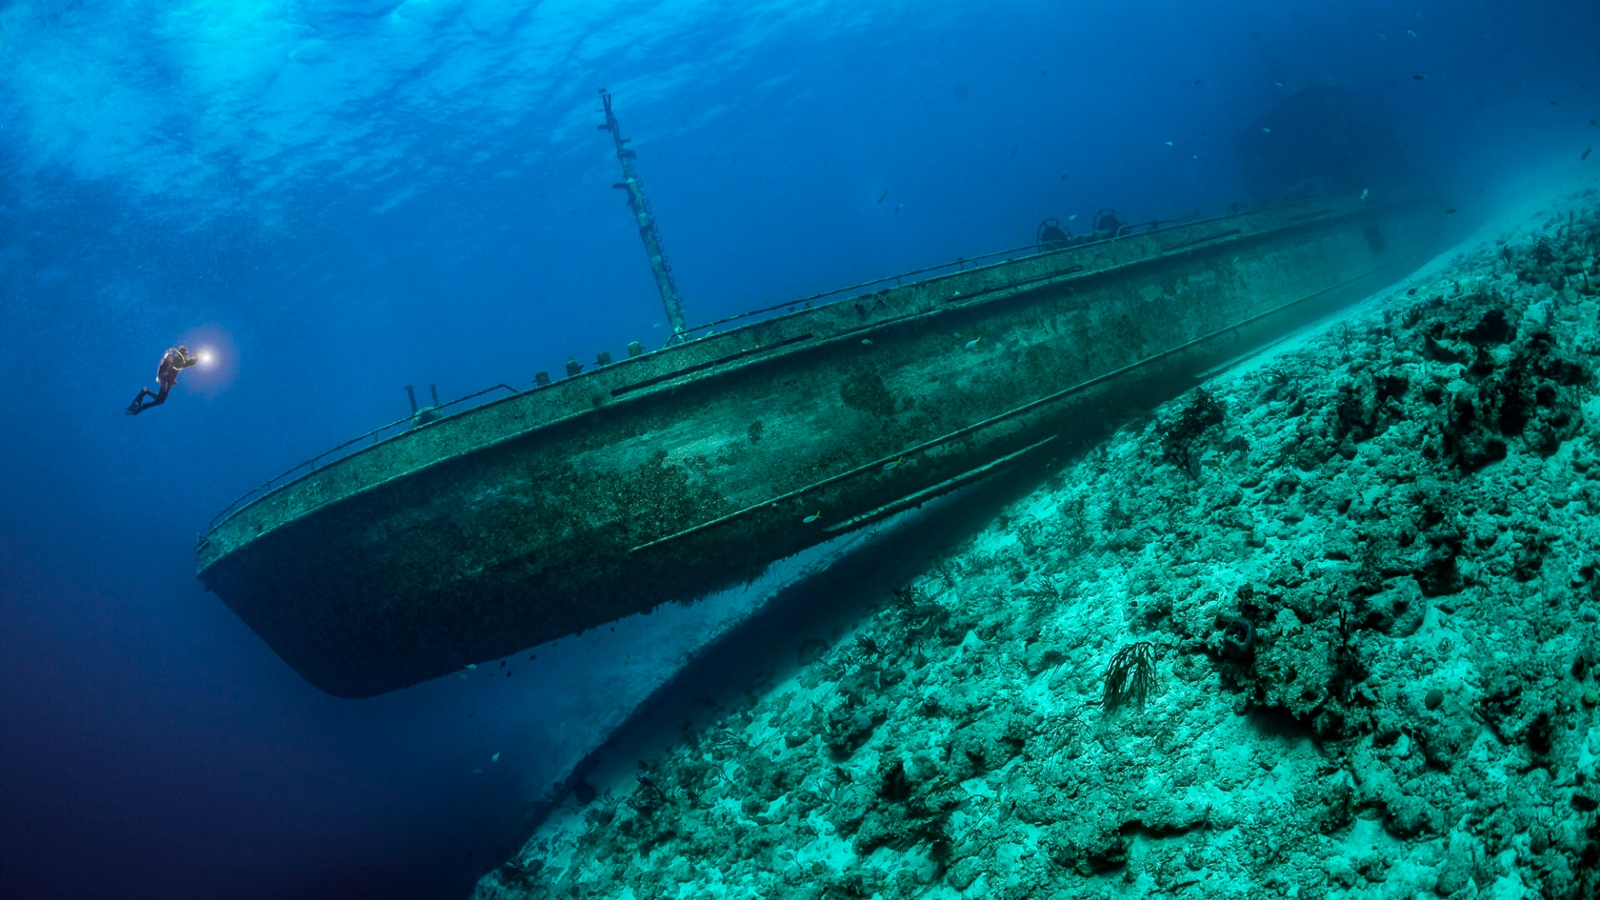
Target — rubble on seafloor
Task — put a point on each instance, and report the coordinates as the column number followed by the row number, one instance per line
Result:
column 1365, row 572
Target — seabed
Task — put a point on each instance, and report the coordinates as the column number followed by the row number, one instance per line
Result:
column 1366, row 566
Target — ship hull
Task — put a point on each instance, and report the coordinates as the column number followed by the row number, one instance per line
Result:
column 690, row 469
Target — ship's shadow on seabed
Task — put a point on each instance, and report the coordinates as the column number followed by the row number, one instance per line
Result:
column 766, row 648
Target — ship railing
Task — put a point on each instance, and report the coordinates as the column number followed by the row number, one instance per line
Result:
column 961, row 264
column 419, row 419
column 401, row 426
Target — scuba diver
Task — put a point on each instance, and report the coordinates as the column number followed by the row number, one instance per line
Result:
column 175, row 360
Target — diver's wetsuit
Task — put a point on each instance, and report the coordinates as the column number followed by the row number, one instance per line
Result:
column 172, row 362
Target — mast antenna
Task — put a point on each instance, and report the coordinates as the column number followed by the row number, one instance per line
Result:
column 640, row 204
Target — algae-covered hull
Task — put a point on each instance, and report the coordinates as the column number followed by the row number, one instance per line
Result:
column 685, row 470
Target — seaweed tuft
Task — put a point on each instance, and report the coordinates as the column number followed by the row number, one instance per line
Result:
column 1130, row 677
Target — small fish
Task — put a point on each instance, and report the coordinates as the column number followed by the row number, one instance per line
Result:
column 1449, row 210
column 883, row 196
column 472, row 665
column 1169, row 143
column 1586, row 152
column 866, row 342
column 1063, row 176
column 894, row 464
column 1410, row 32
column 1555, row 102
column 1278, row 83
column 1363, row 193
column 1071, row 217
column 1381, row 37
column 1594, row 123
column 1265, row 130
column 972, row 344
column 1198, row 80
column 477, row 771
column 495, row 757
column 1419, row 78
column 897, row 206
column 812, row 518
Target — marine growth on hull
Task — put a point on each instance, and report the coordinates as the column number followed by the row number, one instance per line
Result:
column 1325, row 626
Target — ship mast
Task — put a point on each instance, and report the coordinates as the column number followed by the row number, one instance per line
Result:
column 640, row 204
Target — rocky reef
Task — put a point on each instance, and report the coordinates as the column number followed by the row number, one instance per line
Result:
column 1327, row 626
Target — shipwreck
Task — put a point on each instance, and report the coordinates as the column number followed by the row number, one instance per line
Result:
column 470, row 531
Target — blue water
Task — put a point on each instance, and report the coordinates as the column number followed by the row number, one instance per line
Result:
column 339, row 199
